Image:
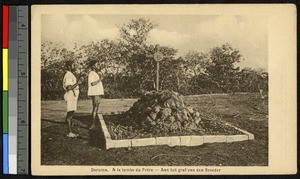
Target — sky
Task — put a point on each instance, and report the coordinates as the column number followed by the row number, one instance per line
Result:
column 199, row 33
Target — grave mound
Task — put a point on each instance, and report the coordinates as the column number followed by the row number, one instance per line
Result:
column 164, row 113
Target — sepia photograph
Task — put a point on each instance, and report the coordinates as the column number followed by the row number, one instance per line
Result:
column 170, row 93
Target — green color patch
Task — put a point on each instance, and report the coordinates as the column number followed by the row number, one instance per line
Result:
column 5, row 112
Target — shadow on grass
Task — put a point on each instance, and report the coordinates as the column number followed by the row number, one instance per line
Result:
column 83, row 121
column 83, row 118
column 96, row 136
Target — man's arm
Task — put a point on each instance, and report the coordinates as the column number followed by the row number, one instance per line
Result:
column 95, row 82
column 71, row 87
column 98, row 81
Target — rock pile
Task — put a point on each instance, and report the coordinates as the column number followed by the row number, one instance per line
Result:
column 163, row 112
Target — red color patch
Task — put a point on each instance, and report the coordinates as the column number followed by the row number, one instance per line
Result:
column 5, row 27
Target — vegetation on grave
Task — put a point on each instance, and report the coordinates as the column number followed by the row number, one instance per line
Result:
column 129, row 69
column 165, row 114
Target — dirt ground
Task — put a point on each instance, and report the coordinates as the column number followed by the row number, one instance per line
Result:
column 246, row 111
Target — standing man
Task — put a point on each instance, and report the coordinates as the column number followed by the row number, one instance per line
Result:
column 71, row 87
column 95, row 89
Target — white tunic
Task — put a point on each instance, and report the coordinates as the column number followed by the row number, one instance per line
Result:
column 70, row 96
column 96, row 89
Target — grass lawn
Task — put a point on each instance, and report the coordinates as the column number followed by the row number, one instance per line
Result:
column 243, row 110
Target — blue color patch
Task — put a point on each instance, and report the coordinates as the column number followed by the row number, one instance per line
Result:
column 5, row 153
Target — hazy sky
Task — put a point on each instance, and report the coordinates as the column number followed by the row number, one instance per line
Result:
column 183, row 32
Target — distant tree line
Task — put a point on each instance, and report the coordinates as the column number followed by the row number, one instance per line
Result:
column 129, row 68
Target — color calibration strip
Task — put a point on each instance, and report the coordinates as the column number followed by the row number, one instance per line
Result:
column 23, row 81
column 5, row 88
column 15, row 89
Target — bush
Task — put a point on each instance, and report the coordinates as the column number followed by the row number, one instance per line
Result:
column 120, row 86
column 52, row 82
column 132, row 74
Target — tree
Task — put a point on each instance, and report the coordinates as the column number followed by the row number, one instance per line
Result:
column 136, row 32
column 171, row 77
column 134, row 36
column 51, row 53
column 140, row 63
column 108, row 53
column 251, row 80
column 195, row 63
column 222, row 67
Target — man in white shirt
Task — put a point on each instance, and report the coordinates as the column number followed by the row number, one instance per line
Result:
column 71, row 87
column 95, row 89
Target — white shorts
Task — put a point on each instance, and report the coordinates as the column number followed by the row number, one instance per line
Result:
column 71, row 98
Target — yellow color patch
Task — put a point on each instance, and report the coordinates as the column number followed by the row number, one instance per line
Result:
column 5, row 69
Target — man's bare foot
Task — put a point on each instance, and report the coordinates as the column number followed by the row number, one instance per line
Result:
column 72, row 135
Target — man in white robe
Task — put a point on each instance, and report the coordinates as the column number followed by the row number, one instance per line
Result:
column 71, row 87
column 95, row 89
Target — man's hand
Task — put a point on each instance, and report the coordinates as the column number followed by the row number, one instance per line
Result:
column 81, row 79
column 70, row 87
column 101, row 76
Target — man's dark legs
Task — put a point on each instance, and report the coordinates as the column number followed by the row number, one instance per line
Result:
column 94, row 112
column 69, row 118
